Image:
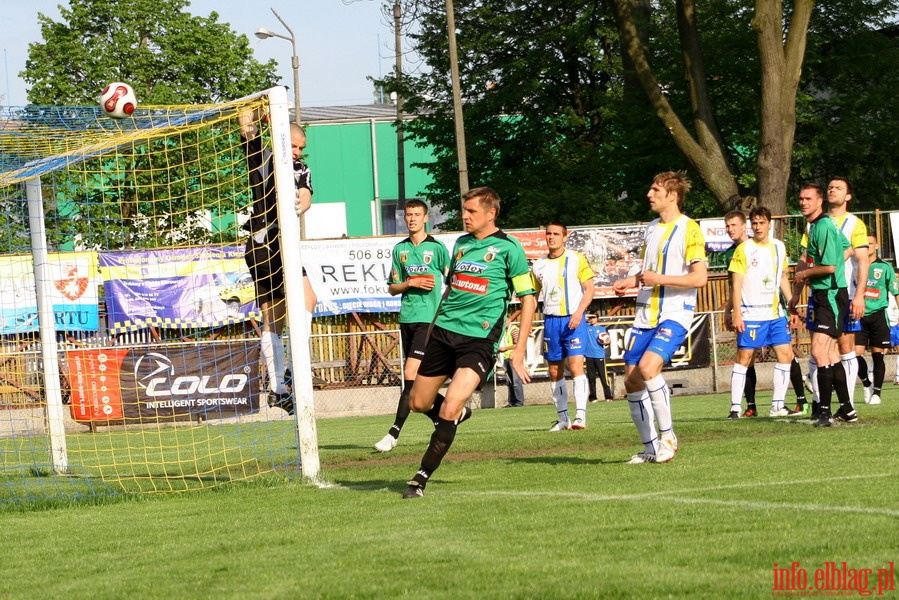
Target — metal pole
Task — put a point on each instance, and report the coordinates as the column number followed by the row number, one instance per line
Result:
column 49, row 348
column 400, row 150
column 300, row 355
column 457, row 98
column 295, row 63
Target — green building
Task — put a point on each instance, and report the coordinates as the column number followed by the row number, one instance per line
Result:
column 352, row 152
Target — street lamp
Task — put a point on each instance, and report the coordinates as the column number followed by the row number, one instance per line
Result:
column 263, row 34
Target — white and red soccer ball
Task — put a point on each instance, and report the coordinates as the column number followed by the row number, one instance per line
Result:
column 118, row 100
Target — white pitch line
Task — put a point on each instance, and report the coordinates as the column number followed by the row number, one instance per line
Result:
column 674, row 496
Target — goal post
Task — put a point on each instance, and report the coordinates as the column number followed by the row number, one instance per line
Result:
column 129, row 329
column 289, row 224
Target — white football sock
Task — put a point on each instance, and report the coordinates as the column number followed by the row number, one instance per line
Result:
column 560, row 397
column 660, row 397
column 581, row 393
column 781, row 383
column 850, row 364
column 641, row 414
column 737, row 384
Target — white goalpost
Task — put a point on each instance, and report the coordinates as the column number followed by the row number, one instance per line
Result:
column 129, row 330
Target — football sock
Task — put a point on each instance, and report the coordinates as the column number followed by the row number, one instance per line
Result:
column 402, row 409
column 749, row 386
column 560, row 397
column 850, row 366
column 781, row 383
column 825, row 387
column 796, row 381
column 842, row 389
column 880, row 371
column 813, row 378
column 641, row 414
column 441, row 440
column 433, row 413
column 863, row 369
column 579, row 384
column 660, row 398
column 737, row 385
column 272, row 351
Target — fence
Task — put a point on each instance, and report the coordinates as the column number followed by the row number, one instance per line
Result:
column 359, row 372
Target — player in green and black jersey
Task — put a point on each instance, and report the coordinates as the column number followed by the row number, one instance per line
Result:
column 419, row 268
column 875, row 331
column 487, row 267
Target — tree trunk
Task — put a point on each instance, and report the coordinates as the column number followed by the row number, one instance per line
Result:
column 706, row 153
column 781, row 67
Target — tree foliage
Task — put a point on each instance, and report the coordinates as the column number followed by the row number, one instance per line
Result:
column 578, row 138
column 170, row 57
column 167, row 55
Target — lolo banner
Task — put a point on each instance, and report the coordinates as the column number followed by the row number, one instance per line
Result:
column 164, row 382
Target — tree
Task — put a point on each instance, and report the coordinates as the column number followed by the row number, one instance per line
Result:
column 169, row 57
column 166, row 54
column 674, row 89
column 541, row 94
column 848, row 115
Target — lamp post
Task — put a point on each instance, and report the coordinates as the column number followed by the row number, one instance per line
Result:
column 263, row 34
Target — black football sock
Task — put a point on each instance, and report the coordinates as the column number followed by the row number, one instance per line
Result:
column 825, row 387
column 797, row 383
column 441, row 440
column 863, row 370
column 880, row 371
column 749, row 387
column 841, row 388
column 433, row 413
column 402, row 409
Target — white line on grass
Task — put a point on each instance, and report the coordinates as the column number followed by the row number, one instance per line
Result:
column 674, row 495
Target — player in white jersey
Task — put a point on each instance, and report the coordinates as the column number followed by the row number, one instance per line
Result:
column 674, row 267
column 759, row 274
column 564, row 280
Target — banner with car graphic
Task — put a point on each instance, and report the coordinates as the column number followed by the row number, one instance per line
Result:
column 205, row 286
column 164, row 381
column 73, row 292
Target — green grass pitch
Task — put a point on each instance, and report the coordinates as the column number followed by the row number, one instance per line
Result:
column 514, row 512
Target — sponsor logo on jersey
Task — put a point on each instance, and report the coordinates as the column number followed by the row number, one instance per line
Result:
column 469, row 267
column 468, row 283
column 417, row 269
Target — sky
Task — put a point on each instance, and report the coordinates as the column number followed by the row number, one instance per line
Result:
column 339, row 42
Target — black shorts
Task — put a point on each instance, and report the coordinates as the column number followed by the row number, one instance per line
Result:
column 264, row 261
column 827, row 311
column 448, row 351
column 414, row 339
column 875, row 332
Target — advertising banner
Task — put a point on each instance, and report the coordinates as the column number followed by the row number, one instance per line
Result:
column 73, row 292
column 171, row 288
column 350, row 275
column 164, row 382
column 695, row 352
column 716, row 238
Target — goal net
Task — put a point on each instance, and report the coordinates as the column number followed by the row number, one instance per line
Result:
column 129, row 327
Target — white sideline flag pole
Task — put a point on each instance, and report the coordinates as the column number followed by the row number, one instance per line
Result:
column 46, row 320
column 289, row 225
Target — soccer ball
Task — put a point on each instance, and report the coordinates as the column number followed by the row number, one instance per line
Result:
column 118, row 100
